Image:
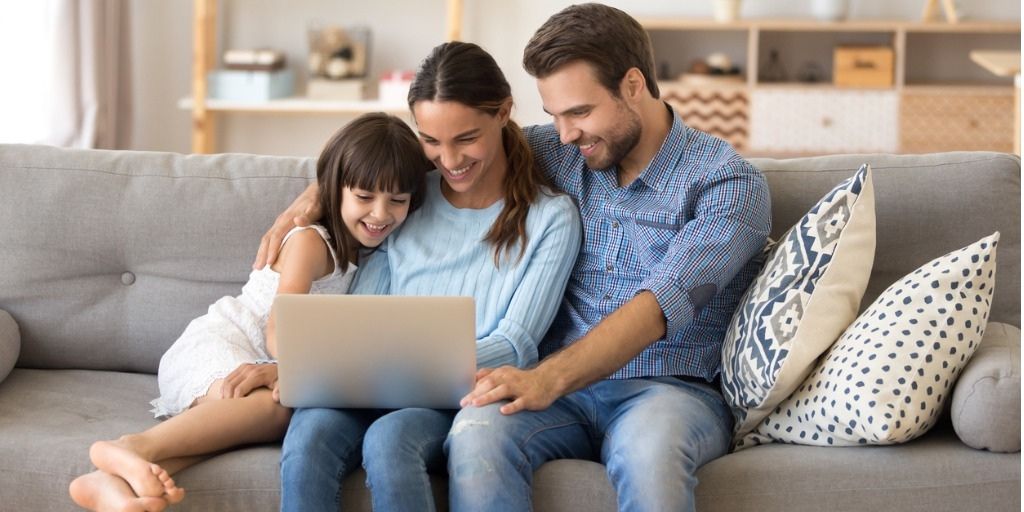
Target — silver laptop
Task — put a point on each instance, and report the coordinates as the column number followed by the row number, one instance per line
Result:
column 370, row 351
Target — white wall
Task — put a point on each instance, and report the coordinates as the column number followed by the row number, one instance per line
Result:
column 403, row 33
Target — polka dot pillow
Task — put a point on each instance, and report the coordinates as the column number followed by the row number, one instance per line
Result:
column 887, row 377
column 808, row 292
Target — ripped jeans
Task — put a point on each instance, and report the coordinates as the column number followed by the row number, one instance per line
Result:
column 652, row 435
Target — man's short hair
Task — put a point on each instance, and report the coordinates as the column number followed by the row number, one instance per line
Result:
column 604, row 37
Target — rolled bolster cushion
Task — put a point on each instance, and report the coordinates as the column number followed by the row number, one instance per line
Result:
column 10, row 344
column 986, row 400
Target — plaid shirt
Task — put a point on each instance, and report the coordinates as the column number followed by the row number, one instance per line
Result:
column 687, row 229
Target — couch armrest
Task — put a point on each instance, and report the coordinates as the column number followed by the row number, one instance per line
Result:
column 10, row 344
column 986, row 400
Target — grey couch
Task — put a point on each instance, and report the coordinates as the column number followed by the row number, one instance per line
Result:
column 106, row 256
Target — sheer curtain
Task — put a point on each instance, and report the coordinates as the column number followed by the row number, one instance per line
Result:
column 68, row 82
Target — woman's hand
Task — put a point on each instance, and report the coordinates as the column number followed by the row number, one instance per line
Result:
column 302, row 212
column 248, row 377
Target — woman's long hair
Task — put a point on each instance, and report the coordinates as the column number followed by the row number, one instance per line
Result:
column 465, row 73
column 375, row 152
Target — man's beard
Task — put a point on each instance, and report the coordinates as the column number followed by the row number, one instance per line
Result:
column 620, row 143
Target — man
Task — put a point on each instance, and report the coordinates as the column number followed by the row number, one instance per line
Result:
column 672, row 220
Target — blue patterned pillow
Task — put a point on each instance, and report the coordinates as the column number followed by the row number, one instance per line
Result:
column 886, row 379
column 808, row 292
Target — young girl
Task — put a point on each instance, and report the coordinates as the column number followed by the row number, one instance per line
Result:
column 490, row 227
column 213, row 385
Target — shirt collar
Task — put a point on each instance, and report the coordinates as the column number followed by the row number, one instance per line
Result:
column 659, row 171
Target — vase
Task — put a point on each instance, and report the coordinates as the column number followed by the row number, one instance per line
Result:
column 726, row 10
column 830, row 10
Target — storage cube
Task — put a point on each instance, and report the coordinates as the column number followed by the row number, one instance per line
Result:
column 805, row 120
column 941, row 119
column 250, row 86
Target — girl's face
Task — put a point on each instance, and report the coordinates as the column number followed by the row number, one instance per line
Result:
column 465, row 145
column 372, row 215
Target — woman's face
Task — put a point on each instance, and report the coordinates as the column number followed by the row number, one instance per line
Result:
column 372, row 215
column 465, row 145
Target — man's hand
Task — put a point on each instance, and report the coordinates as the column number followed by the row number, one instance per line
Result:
column 527, row 389
column 248, row 377
column 302, row 212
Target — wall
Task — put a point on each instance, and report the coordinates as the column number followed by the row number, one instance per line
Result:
column 403, row 33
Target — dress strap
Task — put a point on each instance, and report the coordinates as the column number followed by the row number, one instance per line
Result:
column 322, row 231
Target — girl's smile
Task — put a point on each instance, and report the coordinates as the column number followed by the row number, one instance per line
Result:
column 372, row 215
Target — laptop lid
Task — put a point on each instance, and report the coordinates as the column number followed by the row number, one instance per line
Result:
column 375, row 351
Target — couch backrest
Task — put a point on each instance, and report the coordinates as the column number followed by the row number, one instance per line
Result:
column 107, row 255
column 925, row 206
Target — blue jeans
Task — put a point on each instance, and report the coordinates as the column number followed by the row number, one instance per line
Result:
column 652, row 435
column 399, row 451
column 321, row 447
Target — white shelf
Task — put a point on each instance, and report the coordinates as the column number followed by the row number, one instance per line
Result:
column 299, row 105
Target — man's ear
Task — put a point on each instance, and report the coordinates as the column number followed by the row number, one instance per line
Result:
column 633, row 84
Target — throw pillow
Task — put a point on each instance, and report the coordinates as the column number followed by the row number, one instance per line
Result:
column 10, row 344
column 887, row 377
column 808, row 292
column 986, row 400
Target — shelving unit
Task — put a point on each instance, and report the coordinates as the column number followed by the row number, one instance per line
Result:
column 204, row 56
column 921, row 110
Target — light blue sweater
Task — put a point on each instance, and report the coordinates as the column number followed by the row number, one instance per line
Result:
column 440, row 251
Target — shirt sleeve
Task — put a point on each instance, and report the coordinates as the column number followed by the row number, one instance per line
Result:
column 539, row 294
column 730, row 225
column 374, row 274
column 547, row 147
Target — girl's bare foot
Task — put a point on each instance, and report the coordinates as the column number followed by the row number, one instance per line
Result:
column 172, row 493
column 102, row 492
column 114, row 458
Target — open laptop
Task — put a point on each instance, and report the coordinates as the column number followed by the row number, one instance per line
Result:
column 374, row 351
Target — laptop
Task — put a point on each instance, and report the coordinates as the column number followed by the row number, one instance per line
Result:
column 375, row 351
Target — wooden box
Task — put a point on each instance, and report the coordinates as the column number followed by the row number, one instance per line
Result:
column 863, row 66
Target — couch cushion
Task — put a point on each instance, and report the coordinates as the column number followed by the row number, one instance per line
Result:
column 805, row 296
column 885, row 381
column 986, row 401
column 45, row 433
column 934, row 472
column 109, row 254
column 924, row 205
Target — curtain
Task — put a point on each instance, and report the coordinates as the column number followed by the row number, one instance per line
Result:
column 91, row 73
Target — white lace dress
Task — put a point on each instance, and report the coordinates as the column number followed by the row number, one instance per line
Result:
column 230, row 334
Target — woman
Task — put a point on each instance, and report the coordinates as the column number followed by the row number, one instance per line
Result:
column 490, row 227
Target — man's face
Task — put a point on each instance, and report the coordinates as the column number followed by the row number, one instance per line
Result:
column 604, row 127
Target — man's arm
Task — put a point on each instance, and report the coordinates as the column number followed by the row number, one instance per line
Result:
column 302, row 212
column 730, row 226
column 615, row 341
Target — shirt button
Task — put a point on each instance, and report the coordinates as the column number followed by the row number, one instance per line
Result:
column 609, row 268
column 615, row 224
column 607, row 297
column 127, row 278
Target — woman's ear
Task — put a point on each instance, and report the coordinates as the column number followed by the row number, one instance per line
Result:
column 505, row 112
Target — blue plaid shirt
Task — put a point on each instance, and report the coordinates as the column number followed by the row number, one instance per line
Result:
column 687, row 229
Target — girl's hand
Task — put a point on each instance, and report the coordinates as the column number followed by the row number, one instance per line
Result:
column 248, row 377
